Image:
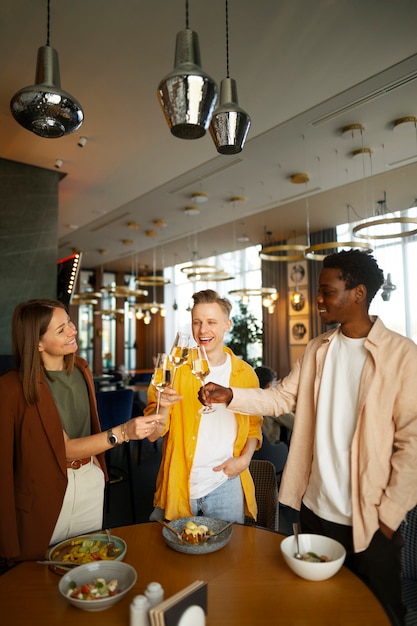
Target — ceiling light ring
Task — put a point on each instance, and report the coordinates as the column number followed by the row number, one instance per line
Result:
column 153, row 280
column 200, row 268
column 266, row 253
column 313, row 252
column 384, row 221
column 120, row 291
column 260, row 291
column 215, row 276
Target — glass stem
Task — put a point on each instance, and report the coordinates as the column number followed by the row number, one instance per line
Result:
column 158, row 402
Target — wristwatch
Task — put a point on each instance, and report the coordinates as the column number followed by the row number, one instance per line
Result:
column 111, row 438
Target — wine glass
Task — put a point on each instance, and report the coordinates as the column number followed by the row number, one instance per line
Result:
column 179, row 352
column 200, row 368
column 161, row 376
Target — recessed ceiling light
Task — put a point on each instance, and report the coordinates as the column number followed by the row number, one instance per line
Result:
column 160, row 223
column 72, row 226
column 352, row 130
column 133, row 225
column 361, row 151
column 199, row 197
column 191, row 210
column 299, row 178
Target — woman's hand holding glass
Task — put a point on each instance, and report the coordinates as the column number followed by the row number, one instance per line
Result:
column 162, row 375
column 200, row 368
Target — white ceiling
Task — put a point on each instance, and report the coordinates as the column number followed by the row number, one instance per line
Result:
column 304, row 69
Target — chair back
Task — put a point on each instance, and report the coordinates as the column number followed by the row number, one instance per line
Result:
column 266, row 494
column 276, row 453
column 409, row 566
column 114, row 407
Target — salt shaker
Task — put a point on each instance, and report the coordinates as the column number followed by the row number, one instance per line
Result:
column 155, row 593
column 139, row 611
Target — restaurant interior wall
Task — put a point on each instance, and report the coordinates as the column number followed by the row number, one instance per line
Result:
column 28, row 238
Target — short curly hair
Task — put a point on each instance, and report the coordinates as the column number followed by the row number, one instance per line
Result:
column 357, row 268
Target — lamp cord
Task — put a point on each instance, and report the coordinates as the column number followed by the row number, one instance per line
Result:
column 48, row 22
column 227, row 39
column 187, row 20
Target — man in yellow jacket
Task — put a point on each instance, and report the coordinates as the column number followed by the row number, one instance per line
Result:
column 205, row 459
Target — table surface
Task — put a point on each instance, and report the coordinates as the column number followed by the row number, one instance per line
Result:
column 249, row 584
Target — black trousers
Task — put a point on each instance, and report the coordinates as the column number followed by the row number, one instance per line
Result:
column 379, row 566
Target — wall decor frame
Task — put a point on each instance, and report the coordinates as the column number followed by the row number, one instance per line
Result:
column 297, row 273
column 299, row 330
column 303, row 308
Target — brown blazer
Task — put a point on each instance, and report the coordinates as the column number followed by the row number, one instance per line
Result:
column 33, row 473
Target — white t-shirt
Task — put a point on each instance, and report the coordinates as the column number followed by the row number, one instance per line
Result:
column 328, row 493
column 216, row 437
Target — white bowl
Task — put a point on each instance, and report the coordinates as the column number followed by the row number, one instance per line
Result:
column 320, row 545
column 85, row 574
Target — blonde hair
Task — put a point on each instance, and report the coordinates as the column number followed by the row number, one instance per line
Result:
column 209, row 296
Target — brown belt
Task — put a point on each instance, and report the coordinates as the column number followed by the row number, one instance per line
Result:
column 77, row 463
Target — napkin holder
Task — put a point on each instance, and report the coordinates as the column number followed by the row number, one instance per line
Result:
column 188, row 607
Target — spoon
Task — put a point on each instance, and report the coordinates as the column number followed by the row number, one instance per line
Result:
column 177, row 534
column 220, row 531
column 297, row 555
column 110, row 544
column 60, row 564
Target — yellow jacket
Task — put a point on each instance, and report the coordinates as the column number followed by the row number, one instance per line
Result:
column 172, row 485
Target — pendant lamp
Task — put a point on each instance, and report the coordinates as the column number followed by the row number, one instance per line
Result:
column 187, row 94
column 230, row 124
column 44, row 108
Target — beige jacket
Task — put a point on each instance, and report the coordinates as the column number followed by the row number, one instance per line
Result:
column 384, row 446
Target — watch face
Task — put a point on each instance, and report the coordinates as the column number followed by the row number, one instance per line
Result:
column 111, row 438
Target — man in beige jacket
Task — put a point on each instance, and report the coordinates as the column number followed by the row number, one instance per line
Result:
column 352, row 465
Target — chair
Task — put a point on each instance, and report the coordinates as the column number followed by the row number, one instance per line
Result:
column 276, row 453
column 266, row 494
column 114, row 408
column 409, row 566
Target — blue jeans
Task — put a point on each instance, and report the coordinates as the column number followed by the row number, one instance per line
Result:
column 225, row 503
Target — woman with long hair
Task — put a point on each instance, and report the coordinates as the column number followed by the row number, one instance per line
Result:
column 52, row 468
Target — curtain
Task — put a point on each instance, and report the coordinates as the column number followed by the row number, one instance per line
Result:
column 275, row 325
column 314, row 269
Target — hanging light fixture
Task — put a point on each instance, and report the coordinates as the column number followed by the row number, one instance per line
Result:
column 44, row 108
column 381, row 226
column 230, row 124
column 187, row 94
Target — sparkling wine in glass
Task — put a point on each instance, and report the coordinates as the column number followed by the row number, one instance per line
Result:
column 200, row 368
column 161, row 377
column 179, row 352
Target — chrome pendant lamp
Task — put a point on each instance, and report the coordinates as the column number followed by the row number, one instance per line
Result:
column 187, row 94
column 230, row 124
column 44, row 108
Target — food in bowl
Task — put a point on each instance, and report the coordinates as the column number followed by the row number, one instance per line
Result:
column 98, row 589
column 195, row 533
column 87, row 549
column 82, row 577
column 214, row 526
column 312, row 557
column 313, row 569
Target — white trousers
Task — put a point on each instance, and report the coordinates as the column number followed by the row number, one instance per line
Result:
column 82, row 508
